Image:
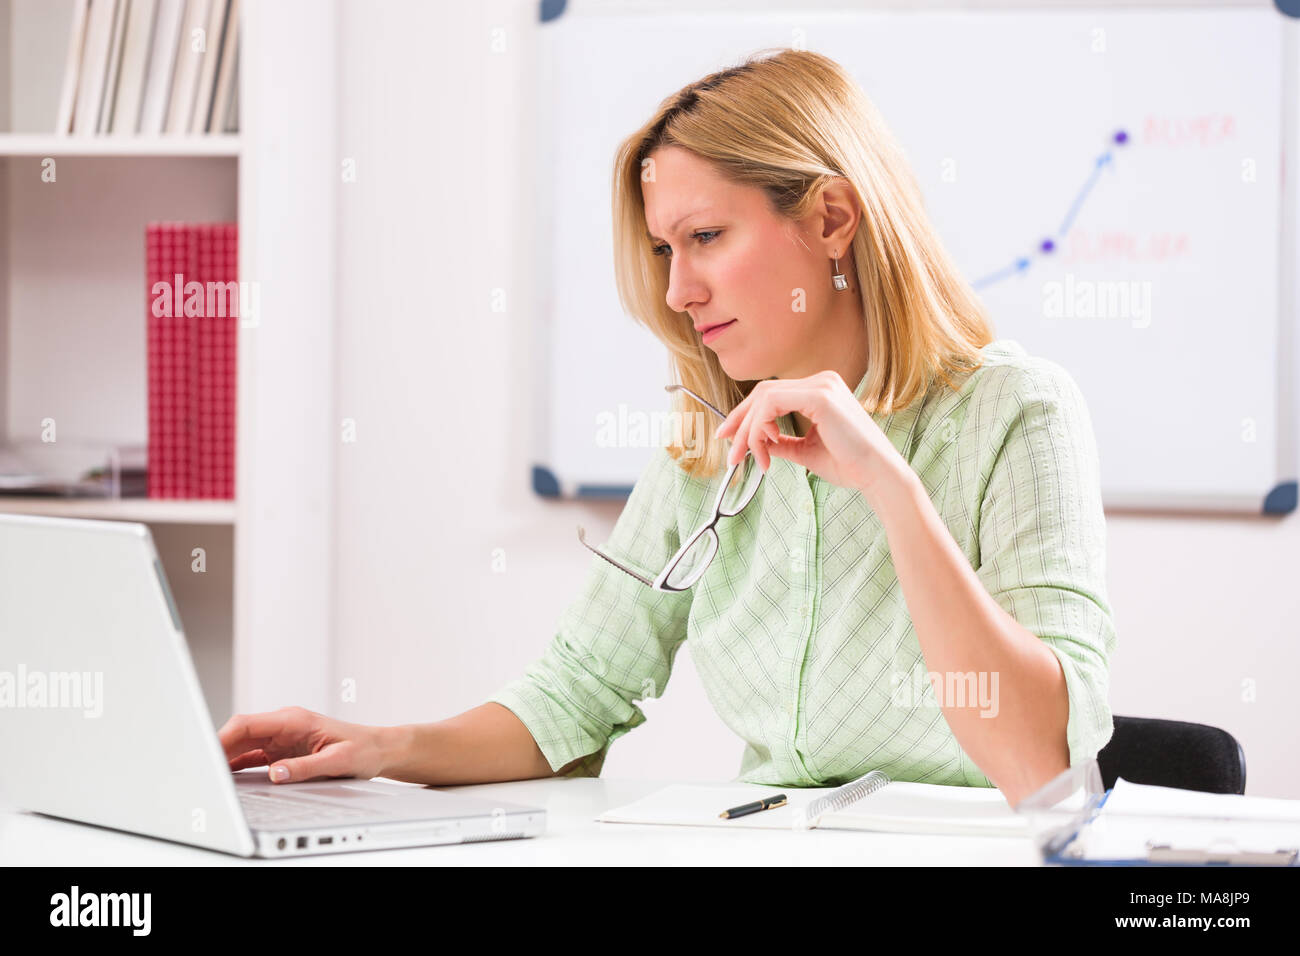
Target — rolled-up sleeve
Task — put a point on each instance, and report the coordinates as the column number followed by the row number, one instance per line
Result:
column 1042, row 538
column 615, row 642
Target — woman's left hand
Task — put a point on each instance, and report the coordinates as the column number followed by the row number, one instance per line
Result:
column 844, row 445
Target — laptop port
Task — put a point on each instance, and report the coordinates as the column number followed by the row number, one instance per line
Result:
column 321, row 841
column 280, row 843
column 302, row 843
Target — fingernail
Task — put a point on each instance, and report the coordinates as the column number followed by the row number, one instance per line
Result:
column 280, row 774
column 717, row 430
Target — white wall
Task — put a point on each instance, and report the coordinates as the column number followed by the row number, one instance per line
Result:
column 437, row 479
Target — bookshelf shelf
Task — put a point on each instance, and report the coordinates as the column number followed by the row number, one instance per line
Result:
column 148, row 510
column 51, row 144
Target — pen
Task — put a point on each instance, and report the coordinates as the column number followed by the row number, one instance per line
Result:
column 766, row 803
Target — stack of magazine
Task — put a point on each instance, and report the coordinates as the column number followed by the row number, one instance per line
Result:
column 72, row 469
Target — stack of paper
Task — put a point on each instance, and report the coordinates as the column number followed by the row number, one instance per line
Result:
column 1136, row 817
column 1141, row 799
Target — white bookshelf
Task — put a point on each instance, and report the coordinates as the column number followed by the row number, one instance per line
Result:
column 50, row 144
column 148, row 510
column 72, row 329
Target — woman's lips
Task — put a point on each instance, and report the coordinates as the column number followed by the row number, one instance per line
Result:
column 710, row 334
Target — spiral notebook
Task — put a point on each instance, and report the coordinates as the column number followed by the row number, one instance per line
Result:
column 873, row 802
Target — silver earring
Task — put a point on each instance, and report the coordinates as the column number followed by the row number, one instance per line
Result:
column 838, row 279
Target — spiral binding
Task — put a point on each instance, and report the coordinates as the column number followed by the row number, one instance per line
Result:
column 848, row 794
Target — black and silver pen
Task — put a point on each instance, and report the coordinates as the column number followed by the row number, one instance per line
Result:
column 767, row 803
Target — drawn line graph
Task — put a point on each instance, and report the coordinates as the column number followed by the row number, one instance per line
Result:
column 1047, row 246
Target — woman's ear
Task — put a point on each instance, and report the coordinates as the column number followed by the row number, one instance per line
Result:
column 840, row 215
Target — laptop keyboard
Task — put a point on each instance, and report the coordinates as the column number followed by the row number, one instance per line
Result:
column 272, row 809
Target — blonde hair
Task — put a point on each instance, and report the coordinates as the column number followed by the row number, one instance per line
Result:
column 790, row 124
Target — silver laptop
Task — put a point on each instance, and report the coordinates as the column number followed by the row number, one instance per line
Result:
column 102, row 719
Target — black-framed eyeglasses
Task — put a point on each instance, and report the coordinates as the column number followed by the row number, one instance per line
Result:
column 688, row 565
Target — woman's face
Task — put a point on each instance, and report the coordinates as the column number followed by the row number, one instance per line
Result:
column 732, row 258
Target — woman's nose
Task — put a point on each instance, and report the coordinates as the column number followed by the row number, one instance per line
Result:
column 684, row 289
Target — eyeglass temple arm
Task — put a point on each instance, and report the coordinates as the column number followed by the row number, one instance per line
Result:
column 644, row 580
column 707, row 404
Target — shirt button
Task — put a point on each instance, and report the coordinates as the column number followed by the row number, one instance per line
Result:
column 807, row 507
column 789, row 708
column 803, row 610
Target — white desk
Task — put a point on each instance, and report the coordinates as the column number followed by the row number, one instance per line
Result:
column 572, row 837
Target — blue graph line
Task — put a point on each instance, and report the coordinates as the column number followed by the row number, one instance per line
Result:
column 1048, row 246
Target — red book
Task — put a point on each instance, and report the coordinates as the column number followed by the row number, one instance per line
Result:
column 201, row 444
column 218, row 271
column 167, row 249
column 187, row 383
column 153, row 249
column 228, row 260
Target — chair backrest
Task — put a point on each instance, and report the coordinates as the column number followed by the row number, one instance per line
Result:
column 1173, row 753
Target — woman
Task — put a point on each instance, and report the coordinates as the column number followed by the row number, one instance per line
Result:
column 917, row 584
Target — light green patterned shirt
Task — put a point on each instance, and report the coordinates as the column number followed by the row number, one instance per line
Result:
column 799, row 629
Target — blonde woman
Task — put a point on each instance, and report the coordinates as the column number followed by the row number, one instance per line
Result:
column 916, row 580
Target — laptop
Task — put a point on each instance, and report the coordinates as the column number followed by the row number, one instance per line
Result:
column 102, row 719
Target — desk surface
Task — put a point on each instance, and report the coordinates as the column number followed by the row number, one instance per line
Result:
column 572, row 837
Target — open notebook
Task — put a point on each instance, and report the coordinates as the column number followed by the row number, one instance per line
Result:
column 898, row 807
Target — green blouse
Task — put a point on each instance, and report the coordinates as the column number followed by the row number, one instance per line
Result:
column 799, row 629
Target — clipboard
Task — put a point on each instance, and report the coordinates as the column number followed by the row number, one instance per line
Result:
column 1063, row 838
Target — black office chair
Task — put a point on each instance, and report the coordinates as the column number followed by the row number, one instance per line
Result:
column 1173, row 753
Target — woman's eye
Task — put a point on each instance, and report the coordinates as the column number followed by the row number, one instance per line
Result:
column 664, row 249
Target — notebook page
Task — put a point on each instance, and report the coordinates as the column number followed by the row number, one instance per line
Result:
column 905, row 807
column 699, row 805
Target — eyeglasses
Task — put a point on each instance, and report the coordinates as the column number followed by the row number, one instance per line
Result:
column 688, row 565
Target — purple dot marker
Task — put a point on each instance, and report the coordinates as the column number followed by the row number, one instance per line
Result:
column 1121, row 137
column 1047, row 245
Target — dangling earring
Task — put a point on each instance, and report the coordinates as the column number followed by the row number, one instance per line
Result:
column 838, row 279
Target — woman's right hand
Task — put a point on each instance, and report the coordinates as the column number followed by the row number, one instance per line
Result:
column 298, row 744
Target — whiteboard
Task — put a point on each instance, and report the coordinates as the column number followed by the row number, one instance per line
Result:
column 1110, row 181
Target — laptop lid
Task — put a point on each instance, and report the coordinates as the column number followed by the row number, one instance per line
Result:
column 102, row 718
